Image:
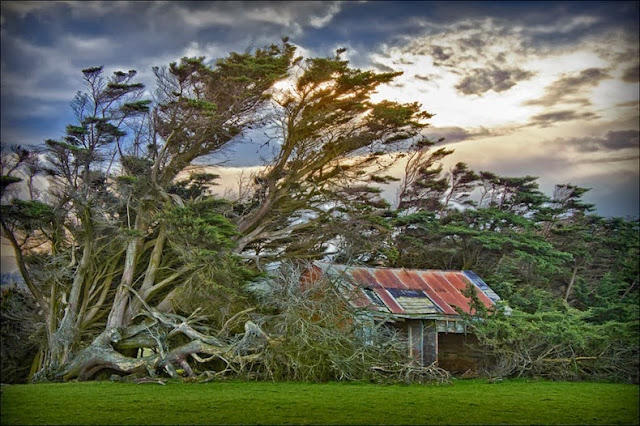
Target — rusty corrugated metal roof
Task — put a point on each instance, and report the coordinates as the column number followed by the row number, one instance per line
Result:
column 410, row 292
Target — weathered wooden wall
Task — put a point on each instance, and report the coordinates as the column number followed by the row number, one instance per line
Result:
column 454, row 353
column 423, row 340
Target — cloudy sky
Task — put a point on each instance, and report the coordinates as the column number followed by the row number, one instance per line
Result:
column 548, row 89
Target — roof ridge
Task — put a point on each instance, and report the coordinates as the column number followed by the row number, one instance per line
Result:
column 387, row 267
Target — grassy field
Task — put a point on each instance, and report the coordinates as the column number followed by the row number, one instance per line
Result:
column 474, row 401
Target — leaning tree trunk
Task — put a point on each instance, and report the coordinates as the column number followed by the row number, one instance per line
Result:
column 572, row 281
column 117, row 315
column 66, row 334
column 149, row 287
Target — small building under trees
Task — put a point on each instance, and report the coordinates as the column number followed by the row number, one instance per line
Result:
column 428, row 306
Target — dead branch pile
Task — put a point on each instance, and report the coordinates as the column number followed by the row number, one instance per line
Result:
column 321, row 337
column 301, row 334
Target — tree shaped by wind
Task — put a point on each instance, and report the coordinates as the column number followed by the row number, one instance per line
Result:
column 329, row 137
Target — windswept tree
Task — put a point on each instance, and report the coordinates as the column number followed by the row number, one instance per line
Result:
column 131, row 255
column 330, row 137
column 106, row 243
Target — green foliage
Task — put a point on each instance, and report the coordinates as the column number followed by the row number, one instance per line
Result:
column 383, row 179
column 201, row 238
column 201, row 225
column 196, row 185
column 215, row 288
column 559, row 344
column 333, row 137
column 127, row 180
column 28, row 215
column 389, row 115
column 136, row 107
column 76, row 131
column 19, row 323
column 70, row 147
column 571, row 278
column 206, row 107
column 5, row 181
column 136, row 166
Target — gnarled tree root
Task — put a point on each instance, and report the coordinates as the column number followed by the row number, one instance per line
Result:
column 103, row 352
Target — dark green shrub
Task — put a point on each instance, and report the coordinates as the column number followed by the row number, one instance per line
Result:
column 19, row 321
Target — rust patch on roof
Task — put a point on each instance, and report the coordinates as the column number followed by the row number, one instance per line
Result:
column 460, row 281
column 444, row 290
column 435, row 294
column 363, row 277
column 360, row 299
column 407, row 279
column 388, row 279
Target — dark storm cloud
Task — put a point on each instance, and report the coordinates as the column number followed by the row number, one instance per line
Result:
column 441, row 53
column 545, row 25
column 537, row 16
column 476, row 43
column 382, row 67
column 613, row 140
column 457, row 134
column 481, row 53
column 45, row 45
column 427, row 77
column 632, row 74
column 479, row 81
column 569, row 89
column 403, row 61
column 610, row 160
column 460, row 51
column 628, row 104
column 620, row 139
column 551, row 118
column 157, row 29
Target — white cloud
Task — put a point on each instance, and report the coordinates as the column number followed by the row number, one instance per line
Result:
column 577, row 22
column 321, row 21
column 78, row 8
column 513, row 147
column 209, row 50
column 291, row 16
column 205, row 17
column 87, row 46
column 52, row 75
column 437, row 62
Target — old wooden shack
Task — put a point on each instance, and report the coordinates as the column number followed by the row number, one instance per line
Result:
column 421, row 303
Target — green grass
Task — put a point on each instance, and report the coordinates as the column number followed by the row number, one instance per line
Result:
column 475, row 401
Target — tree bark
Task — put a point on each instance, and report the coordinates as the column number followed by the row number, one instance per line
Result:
column 22, row 267
column 571, row 282
column 65, row 336
column 150, row 274
column 117, row 316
